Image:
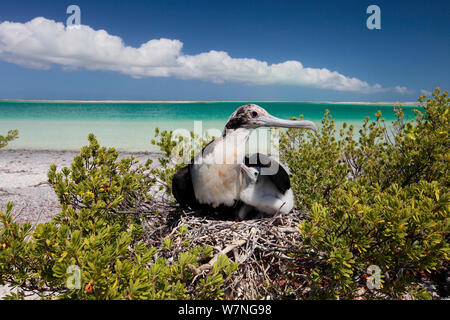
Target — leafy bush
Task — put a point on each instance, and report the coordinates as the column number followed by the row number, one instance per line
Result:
column 379, row 201
column 100, row 231
column 176, row 151
column 12, row 134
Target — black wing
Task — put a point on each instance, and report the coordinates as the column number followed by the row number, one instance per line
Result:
column 182, row 187
column 280, row 179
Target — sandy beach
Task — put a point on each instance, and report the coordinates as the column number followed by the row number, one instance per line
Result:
column 23, row 180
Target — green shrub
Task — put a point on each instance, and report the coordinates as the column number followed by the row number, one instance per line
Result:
column 380, row 200
column 176, row 151
column 12, row 134
column 400, row 230
column 316, row 162
column 421, row 147
column 100, row 231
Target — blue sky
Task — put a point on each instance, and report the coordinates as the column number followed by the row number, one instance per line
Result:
column 409, row 55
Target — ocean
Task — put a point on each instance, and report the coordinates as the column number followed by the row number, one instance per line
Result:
column 130, row 126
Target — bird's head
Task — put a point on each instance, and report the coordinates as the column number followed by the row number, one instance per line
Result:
column 252, row 116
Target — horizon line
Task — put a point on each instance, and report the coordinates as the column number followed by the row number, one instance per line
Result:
column 207, row 101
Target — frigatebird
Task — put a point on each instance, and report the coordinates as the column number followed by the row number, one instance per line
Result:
column 213, row 178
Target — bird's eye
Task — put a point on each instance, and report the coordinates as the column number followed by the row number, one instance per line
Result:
column 254, row 114
column 256, row 173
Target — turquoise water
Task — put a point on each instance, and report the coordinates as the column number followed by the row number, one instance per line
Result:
column 131, row 126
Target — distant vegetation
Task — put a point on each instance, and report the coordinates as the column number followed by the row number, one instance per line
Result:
column 376, row 220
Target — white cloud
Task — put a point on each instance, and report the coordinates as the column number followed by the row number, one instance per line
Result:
column 423, row 91
column 42, row 43
column 400, row 89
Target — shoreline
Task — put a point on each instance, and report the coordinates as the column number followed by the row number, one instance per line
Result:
column 408, row 103
column 77, row 151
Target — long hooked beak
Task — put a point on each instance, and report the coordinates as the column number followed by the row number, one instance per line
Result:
column 271, row 121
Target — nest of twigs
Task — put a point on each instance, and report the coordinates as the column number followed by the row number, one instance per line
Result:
column 264, row 248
